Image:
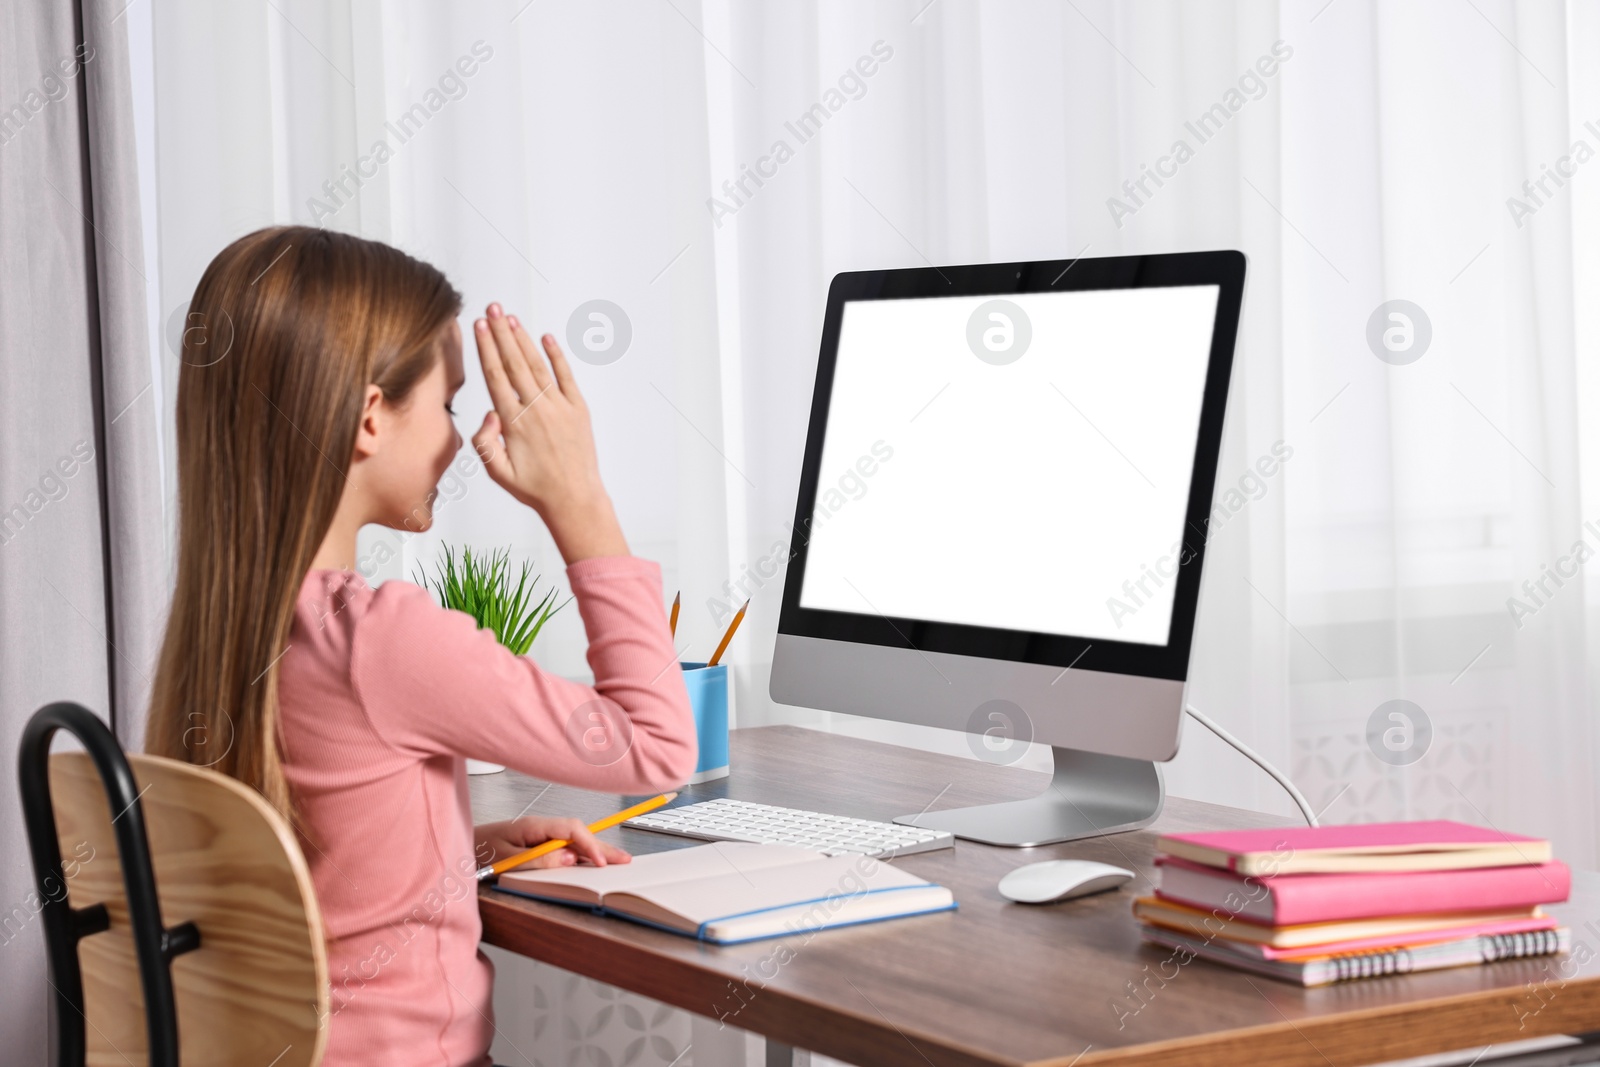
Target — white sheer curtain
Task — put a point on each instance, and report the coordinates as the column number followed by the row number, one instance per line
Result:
column 1358, row 153
column 1366, row 154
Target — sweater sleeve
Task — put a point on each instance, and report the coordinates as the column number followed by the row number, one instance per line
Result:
column 432, row 683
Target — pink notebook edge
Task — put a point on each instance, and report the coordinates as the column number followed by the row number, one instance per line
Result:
column 1387, row 836
column 1391, row 892
column 1354, row 877
column 1314, row 918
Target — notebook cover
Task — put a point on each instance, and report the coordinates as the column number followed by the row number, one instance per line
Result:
column 1290, row 899
column 1322, row 938
column 1360, row 839
column 1363, row 837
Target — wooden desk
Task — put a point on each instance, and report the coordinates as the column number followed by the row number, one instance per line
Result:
column 997, row 983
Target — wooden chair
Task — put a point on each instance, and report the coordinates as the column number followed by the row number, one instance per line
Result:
column 226, row 964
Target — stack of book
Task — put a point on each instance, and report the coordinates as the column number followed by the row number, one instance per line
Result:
column 1326, row 904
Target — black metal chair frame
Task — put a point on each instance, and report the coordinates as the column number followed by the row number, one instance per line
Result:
column 64, row 926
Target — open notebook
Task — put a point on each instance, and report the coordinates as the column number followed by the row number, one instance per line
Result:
column 727, row 892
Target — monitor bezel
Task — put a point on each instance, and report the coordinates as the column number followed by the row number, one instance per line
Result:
column 1224, row 269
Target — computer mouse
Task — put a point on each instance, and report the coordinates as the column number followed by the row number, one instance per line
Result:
column 1052, row 880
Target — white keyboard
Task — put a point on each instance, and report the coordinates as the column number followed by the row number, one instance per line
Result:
column 834, row 835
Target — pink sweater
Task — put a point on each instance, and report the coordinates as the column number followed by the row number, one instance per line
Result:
column 382, row 694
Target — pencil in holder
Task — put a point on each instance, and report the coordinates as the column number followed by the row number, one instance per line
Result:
column 708, row 696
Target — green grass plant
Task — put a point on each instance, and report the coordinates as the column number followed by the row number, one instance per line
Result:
column 482, row 588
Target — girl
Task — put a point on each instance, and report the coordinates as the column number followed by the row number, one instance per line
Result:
column 314, row 399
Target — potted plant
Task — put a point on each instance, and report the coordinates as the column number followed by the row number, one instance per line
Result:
column 482, row 588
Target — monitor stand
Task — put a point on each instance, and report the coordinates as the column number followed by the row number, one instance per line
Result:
column 1089, row 795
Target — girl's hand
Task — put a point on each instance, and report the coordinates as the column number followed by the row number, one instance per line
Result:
column 497, row 840
column 537, row 443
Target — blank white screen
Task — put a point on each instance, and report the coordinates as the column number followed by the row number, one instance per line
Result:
column 1019, row 496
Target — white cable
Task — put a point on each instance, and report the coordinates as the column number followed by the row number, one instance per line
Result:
column 1250, row 754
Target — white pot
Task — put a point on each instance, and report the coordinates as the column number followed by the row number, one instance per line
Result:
column 478, row 766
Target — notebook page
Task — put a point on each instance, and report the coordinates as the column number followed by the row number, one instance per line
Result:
column 657, row 869
column 803, row 919
column 688, row 904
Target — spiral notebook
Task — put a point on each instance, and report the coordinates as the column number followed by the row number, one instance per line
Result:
column 1344, row 967
column 729, row 892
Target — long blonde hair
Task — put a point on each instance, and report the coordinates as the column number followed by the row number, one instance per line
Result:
column 286, row 329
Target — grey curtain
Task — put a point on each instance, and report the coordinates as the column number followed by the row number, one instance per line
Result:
column 83, row 564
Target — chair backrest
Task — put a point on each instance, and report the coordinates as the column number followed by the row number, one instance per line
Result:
column 254, row 989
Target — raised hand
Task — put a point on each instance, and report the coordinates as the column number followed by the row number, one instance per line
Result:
column 537, row 443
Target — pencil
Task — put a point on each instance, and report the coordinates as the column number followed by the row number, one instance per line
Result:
column 547, row 847
column 673, row 622
column 723, row 646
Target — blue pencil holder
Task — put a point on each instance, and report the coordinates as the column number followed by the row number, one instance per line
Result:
column 708, row 696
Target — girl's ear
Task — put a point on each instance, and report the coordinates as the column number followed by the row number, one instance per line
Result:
column 367, row 431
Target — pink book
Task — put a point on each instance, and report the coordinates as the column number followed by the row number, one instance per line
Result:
column 1439, row 845
column 1290, row 899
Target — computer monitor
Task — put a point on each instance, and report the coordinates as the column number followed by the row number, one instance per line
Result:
column 1002, row 518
